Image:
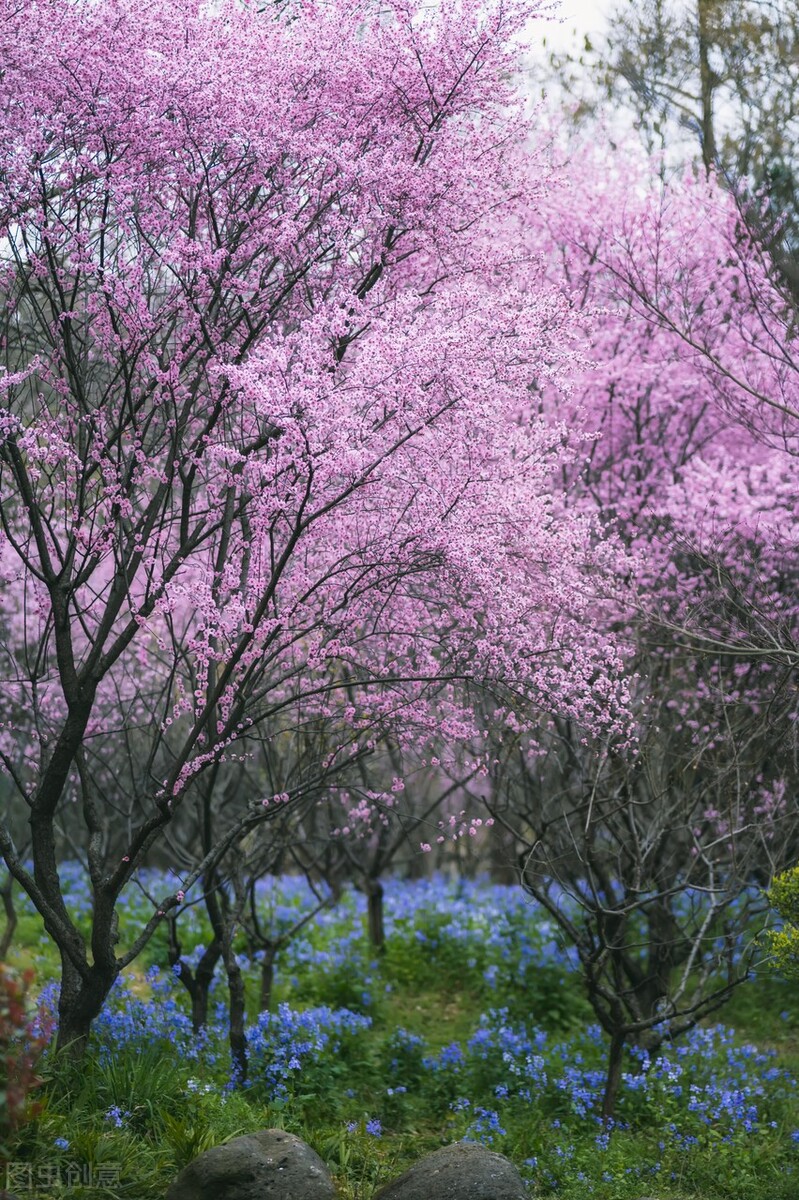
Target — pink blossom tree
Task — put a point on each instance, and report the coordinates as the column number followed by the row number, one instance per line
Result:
column 265, row 347
column 693, row 388
column 696, row 392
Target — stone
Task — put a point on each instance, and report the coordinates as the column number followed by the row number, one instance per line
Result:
column 268, row 1165
column 462, row 1171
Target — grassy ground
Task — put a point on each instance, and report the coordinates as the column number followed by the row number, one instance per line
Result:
column 472, row 1023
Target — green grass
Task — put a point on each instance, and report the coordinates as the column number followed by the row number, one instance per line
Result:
column 767, row 1010
column 169, row 1110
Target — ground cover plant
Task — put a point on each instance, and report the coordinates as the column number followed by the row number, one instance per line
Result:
column 471, row 1023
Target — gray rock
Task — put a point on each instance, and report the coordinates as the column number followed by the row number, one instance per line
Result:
column 462, row 1171
column 268, row 1165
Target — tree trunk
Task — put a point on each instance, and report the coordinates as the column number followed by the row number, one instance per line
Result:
column 707, row 83
column 80, row 1001
column 7, row 892
column 203, row 978
column 268, row 976
column 374, row 902
column 197, row 983
column 237, row 1036
column 502, row 864
column 613, row 1082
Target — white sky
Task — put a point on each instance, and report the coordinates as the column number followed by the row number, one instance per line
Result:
column 576, row 18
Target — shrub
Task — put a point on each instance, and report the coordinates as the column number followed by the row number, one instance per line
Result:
column 784, row 943
column 21, row 1044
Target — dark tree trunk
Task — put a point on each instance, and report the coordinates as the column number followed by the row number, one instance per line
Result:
column 197, row 983
column 267, row 976
column 7, row 892
column 237, row 1037
column 613, row 1082
column 374, row 902
column 203, row 978
column 707, row 84
column 667, row 949
column 80, row 1001
column 502, row 858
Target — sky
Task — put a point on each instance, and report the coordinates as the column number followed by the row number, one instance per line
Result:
column 578, row 17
